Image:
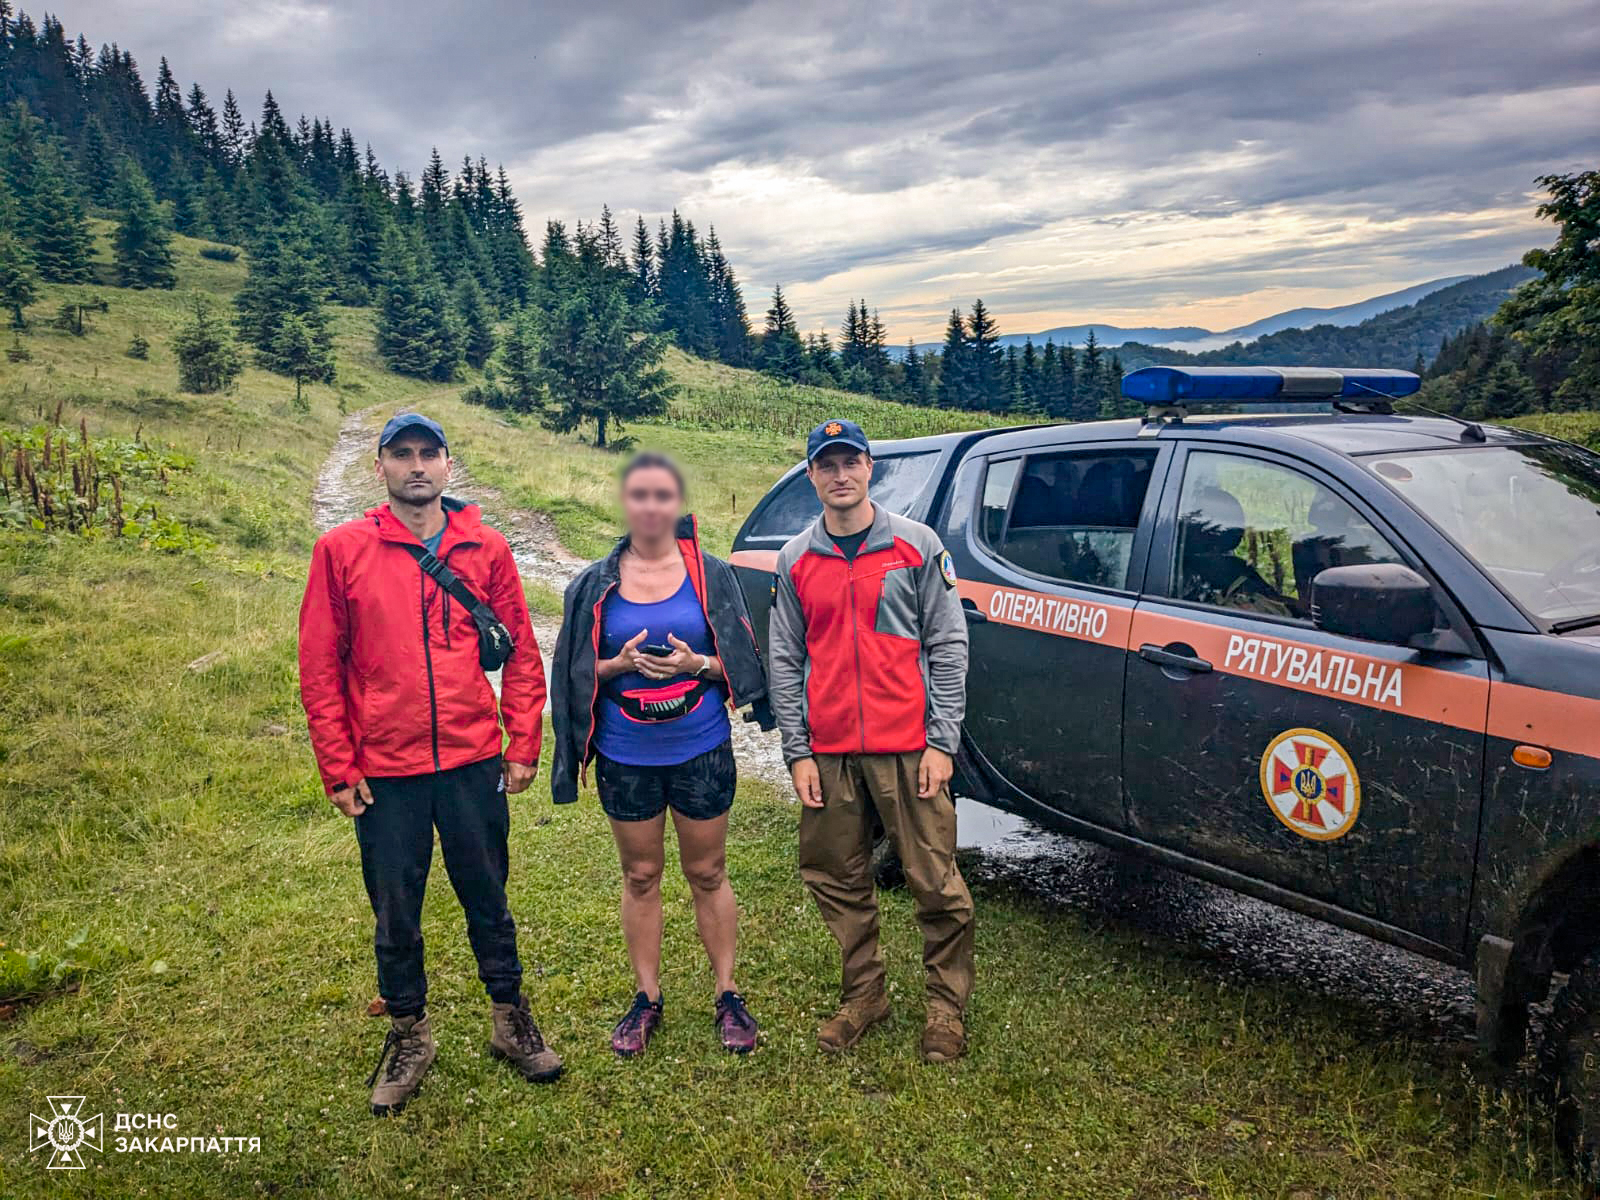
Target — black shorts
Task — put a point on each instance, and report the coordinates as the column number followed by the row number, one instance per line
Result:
column 699, row 789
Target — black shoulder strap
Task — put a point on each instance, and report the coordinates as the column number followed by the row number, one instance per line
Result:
column 447, row 579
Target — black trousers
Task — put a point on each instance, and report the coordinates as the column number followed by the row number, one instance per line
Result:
column 469, row 807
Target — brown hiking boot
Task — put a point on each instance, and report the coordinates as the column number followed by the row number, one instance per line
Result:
column 410, row 1050
column 844, row 1029
column 518, row 1040
column 944, row 1038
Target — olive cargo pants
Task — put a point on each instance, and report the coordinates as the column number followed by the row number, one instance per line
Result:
column 835, row 863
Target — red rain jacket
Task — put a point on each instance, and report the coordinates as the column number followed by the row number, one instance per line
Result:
column 389, row 672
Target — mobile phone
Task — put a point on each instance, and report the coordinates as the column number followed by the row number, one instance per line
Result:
column 656, row 651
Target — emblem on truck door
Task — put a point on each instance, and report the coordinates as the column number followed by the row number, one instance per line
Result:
column 1310, row 784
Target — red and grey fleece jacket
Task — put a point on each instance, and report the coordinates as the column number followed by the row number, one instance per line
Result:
column 389, row 670
column 868, row 657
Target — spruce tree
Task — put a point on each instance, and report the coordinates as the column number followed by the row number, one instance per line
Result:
column 97, row 164
column 361, row 228
column 472, row 318
column 415, row 334
column 299, row 354
column 141, row 246
column 285, row 279
column 18, row 279
column 203, row 125
column 514, row 368
column 914, row 381
column 954, row 372
column 730, row 322
column 822, row 367
column 234, row 145
column 1028, row 379
column 1052, row 402
column 782, row 353
column 1066, row 396
column 984, row 362
column 208, row 357
column 593, row 362
column 49, row 213
column 644, row 264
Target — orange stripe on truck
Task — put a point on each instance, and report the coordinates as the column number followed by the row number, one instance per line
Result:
column 1554, row 720
column 1506, row 710
column 1084, row 620
column 1427, row 693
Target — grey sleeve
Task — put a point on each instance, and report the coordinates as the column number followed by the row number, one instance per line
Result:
column 944, row 643
column 786, row 665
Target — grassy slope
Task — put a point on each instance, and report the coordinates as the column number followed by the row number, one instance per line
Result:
column 175, row 817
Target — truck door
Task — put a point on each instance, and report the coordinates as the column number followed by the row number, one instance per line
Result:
column 1050, row 545
column 1343, row 770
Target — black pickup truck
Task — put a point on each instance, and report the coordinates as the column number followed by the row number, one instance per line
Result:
column 1341, row 659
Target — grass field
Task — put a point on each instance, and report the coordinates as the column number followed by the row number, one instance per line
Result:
column 185, row 930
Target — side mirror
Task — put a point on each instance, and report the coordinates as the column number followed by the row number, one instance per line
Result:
column 1381, row 602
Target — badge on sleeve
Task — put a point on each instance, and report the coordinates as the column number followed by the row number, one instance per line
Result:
column 947, row 569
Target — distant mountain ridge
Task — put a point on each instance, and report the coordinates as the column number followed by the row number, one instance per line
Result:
column 1196, row 339
column 1394, row 338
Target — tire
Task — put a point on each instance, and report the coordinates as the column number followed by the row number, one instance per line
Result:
column 1570, row 1061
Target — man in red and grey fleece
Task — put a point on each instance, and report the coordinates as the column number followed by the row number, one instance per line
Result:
column 867, row 674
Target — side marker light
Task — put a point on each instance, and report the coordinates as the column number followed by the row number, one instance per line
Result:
column 1535, row 757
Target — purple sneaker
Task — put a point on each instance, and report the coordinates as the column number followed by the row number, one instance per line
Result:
column 634, row 1031
column 735, row 1026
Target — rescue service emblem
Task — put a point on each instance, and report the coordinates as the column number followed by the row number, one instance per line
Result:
column 947, row 569
column 1310, row 784
column 833, row 428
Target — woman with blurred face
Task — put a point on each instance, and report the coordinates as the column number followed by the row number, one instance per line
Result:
column 655, row 647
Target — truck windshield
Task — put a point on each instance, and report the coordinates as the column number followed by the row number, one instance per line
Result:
column 1530, row 516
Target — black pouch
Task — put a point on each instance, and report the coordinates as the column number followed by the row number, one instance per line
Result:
column 494, row 639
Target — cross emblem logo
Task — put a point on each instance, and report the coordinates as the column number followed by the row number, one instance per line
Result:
column 66, row 1131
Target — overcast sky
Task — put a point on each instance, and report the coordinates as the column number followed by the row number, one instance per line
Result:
column 1134, row 161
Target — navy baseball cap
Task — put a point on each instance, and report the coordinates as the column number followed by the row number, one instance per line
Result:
column 401, row 422
column 836, row 431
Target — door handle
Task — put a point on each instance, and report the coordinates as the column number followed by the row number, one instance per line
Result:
column 973, row 614
column 1173, row 656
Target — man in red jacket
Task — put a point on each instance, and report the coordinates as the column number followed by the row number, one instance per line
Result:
column 407, row 737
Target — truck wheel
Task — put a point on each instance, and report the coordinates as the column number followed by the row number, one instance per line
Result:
column 1571, row 1062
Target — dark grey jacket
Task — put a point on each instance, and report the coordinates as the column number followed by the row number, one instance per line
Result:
column 573, row 683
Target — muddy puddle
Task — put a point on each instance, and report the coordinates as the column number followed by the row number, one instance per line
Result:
column 1240, row 938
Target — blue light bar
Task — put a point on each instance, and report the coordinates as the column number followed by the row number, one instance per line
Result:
column 1180, row 385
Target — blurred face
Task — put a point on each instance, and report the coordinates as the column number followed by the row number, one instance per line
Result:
column 415, row 468
column 651, row 503
column 841, row 475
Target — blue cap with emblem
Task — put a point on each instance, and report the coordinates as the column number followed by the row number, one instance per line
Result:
column 406, row 422
column 836, row 431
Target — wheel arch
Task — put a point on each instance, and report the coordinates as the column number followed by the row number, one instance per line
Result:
column 1555, row 929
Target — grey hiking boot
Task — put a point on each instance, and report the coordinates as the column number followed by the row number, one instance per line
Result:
column 410, row 1051
column 518, row 1041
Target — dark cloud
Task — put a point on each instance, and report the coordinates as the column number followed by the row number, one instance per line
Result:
column 923, row 153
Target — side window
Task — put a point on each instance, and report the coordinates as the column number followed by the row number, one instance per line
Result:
column 791, row 509
column 1252, row 535
column 1069, row 516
